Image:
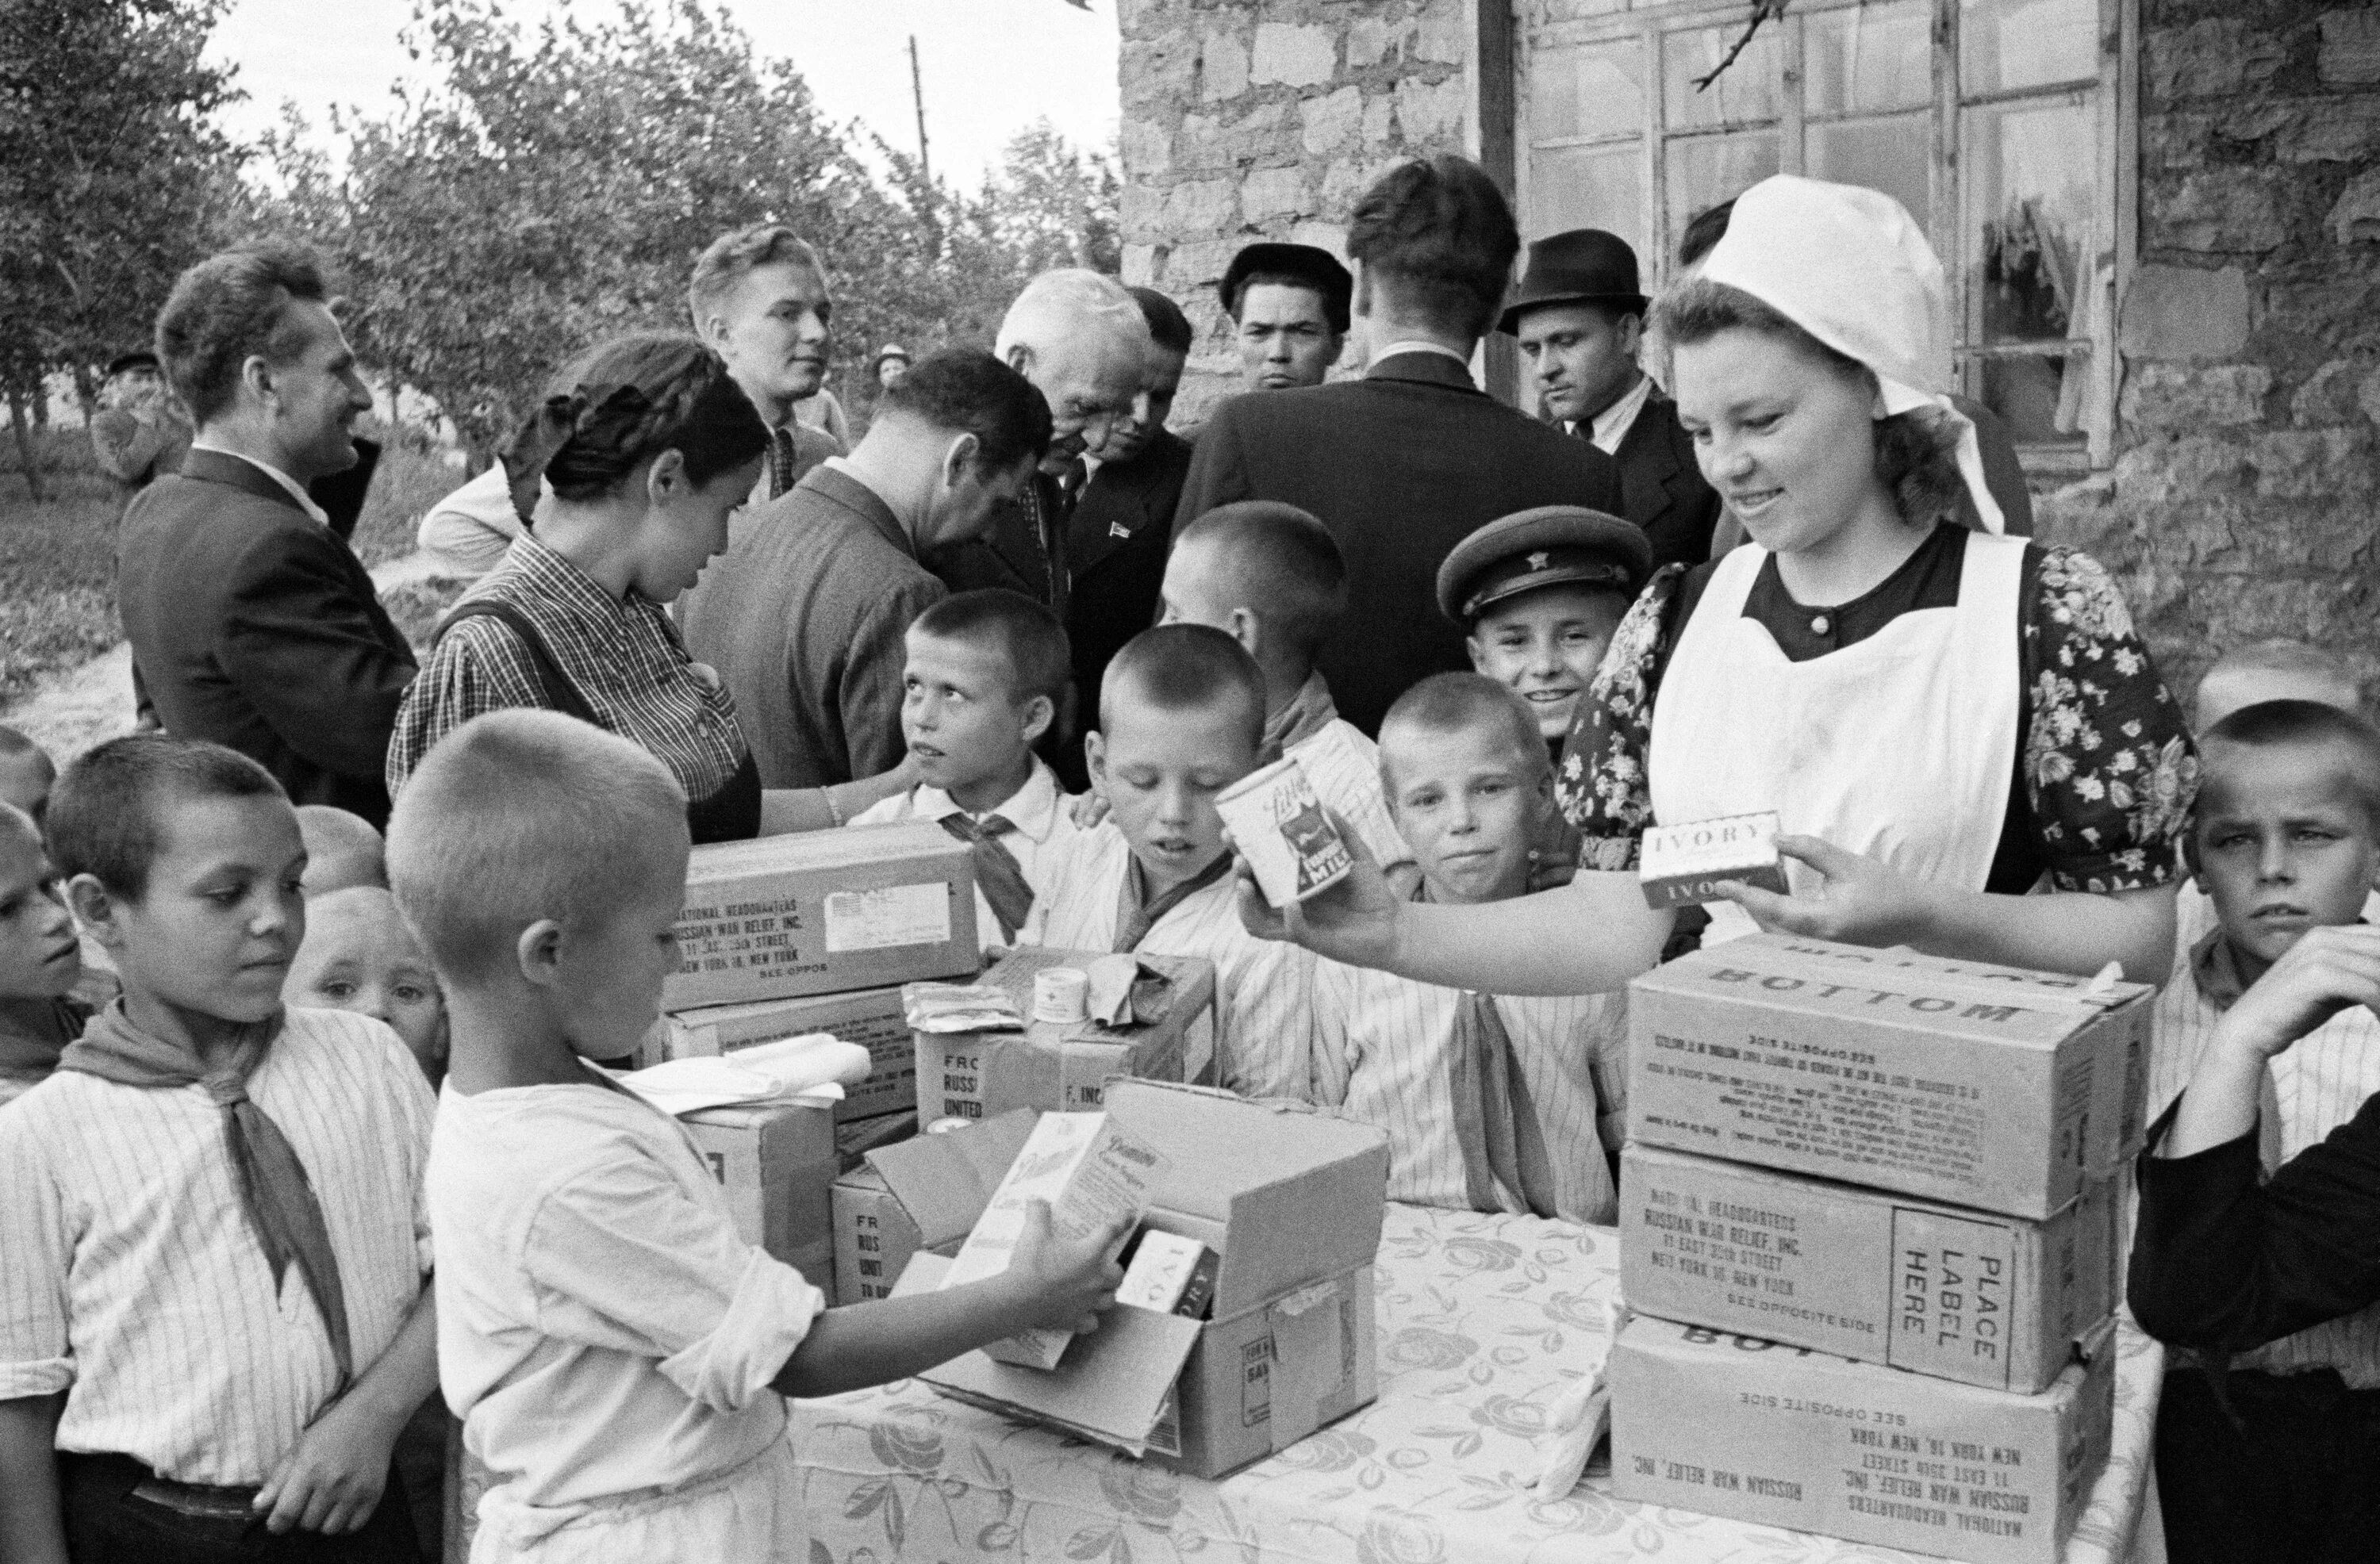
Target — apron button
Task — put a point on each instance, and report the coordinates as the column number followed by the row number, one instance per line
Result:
column 1819, row 626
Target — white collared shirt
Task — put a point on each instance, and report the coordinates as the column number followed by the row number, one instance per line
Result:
column 130, row 1275
column 1609, row 427
column 297, row 489
column 1038, row 810
column 1264, row 1015
column 1416, row 345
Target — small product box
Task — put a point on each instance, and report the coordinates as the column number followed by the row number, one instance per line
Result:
column 823, row 912
column 777, row 1162
column 1681, row 866
column 1094, row 1173
column 918, row 1194
column 871, row 1018
column 1980, row 1085
column 1277, row 822
column 1985, row 1300
column 1740, row 1426
column 1064, row 1066
column 1290, row 1202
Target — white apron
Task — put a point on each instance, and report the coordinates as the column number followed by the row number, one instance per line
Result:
column 1900, row 746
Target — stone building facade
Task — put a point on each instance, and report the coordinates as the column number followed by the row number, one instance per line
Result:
column 2233, row 481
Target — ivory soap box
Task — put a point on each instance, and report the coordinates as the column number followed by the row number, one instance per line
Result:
column 1965, row 1295
column 1783, row 1436
column 823, row 912
column 1094, row 1172
column 1680, row 865
column 1980, row 1085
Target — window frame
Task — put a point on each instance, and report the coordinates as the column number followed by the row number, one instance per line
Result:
column 2113, row 92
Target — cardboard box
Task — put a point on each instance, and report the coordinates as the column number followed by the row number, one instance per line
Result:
column 1681, row 866
column 1065, row 1066
column 823, row 913
column 1985, row 1300
column 1740, row 1426
column 777, row 1162
column 855, row 1138
column 923, row 1193
column 1094, row 1174
column 1291, row 1200
column 871, row 1018
column 1982, row 1086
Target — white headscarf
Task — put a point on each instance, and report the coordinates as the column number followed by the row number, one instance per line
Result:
column 1849, row 266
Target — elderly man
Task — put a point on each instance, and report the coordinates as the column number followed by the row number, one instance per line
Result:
column 805, row 613
column 1403, row 464
column 1288, row 308
column 1081, row 339
column 252, row 622
column 758, row 296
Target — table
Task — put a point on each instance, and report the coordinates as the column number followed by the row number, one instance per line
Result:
column 1484, row 1319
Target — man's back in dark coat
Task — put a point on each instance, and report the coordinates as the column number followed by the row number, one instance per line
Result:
column 255, row 627
column 1401, row 466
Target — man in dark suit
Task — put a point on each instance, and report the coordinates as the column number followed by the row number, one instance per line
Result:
column 1403, row 464
column 251, row 622
column 1580, row 318
column 1122, row 524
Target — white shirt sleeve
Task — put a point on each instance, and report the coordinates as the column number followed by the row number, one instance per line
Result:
column 36, row 1354
column 472, row 528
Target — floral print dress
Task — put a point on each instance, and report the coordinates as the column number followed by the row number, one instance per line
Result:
column 2107, row 772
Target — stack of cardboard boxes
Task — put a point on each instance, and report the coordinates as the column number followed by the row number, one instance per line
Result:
column 791, row 935
column 1870, row 1241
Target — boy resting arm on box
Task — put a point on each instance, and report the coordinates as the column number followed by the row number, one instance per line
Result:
column 1270, row 576
column 1489, row 1103
column 1182, row 719
column 40, row 961
column 2267, row 1021
column 618, row 1354
column 987, row 671
column 212, row 1311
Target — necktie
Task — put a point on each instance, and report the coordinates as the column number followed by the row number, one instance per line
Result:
column 1140, row 915
column 997, row 873
column 780, row 462
column 280, row 1200
column 1495, row 1121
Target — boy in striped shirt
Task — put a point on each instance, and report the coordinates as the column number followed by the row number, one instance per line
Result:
column 1181, row 719
column 1489, row 1103
column 1272, row 577
column 986, row 673
column 213, row 1311
column 2285, row 843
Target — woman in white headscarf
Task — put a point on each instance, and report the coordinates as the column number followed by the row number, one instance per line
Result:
column 1970, row 749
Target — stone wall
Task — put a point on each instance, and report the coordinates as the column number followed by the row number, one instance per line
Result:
column 2242, row 503
column 1249, row 120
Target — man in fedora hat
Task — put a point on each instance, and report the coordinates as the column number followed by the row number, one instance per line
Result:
column 1580, row 316
column 1289, row 306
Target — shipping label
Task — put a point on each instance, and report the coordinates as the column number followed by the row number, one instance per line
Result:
column 890, row 916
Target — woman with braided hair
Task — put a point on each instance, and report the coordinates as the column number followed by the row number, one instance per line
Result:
column 648, row 446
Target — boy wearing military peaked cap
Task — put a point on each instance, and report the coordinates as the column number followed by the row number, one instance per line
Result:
column 1540, row 593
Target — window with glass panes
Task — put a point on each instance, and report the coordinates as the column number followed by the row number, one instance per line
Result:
column 2001, row 125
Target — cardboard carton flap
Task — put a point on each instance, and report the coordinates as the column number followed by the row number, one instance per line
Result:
column 823, row 849
column 945, row 1181
column 1112, row 1383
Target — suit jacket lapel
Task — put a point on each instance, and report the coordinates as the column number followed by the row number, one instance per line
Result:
column 1649, row 463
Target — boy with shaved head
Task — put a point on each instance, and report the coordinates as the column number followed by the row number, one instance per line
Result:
column 1489, row 1103
column 619, row 1355
column 1181, row 715
column 2270, row 1031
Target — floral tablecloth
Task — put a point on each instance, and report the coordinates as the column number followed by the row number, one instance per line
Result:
column 1483, row 1319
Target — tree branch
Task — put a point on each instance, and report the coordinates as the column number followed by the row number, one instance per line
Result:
column 1762, row 10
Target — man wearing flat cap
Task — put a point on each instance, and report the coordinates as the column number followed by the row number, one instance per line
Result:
column 1289, row 306
column 1580, row 317
column 1539, row 593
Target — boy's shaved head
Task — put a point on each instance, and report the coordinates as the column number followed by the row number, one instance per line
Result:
column 519, row 815
column 1026, row 633
column 1448, row 703
column 27, row 773
column 2275, row 670
column 1277, row 560
column 343, row 851
column 106, row 818
column 1183, row 668
column 2230, row 744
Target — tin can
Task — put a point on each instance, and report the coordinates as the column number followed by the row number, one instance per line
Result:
column 1277, row 824
column 1062, row 994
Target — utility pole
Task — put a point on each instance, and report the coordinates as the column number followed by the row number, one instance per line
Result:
column 917, row 90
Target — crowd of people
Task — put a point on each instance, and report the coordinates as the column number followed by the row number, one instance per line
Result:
column 299, row 984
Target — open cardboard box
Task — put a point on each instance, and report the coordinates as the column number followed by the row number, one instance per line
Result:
column 1065, row 1066
column 919, row 1193
column 1291, row 1200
